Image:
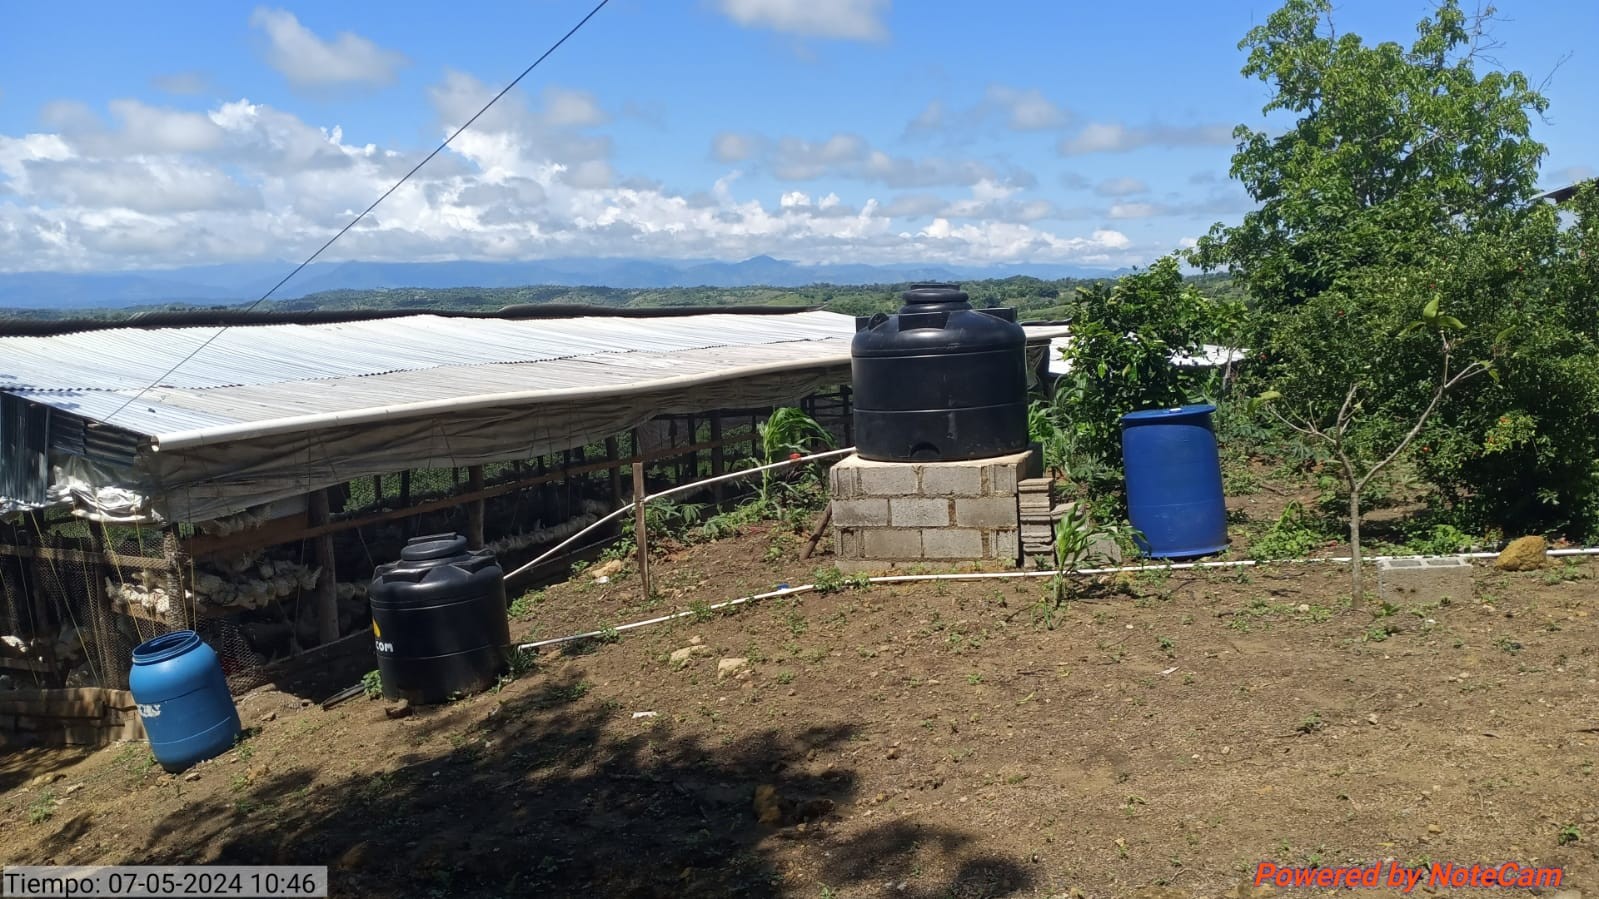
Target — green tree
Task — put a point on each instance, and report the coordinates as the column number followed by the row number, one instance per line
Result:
column 1366, row 408
column 1124, row 337
column 1392, row 151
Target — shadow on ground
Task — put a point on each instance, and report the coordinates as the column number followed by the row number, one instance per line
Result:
column 549, row 794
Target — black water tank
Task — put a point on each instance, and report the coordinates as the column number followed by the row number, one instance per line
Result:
column 438, row 617
column 940, row 381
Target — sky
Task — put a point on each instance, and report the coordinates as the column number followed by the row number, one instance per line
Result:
column 161, row 134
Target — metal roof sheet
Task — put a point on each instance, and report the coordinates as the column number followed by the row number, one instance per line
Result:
column 285, row 374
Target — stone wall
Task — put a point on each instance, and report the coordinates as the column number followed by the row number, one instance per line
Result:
column 936, row 514
column 74, row 716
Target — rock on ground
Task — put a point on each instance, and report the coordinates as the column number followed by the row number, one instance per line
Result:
column 1523, row 554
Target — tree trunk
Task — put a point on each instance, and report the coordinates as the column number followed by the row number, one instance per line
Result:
column 1355, row 580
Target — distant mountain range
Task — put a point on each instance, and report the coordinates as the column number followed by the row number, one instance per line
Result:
column 243, row 282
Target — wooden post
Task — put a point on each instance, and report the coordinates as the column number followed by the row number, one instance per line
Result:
column 639, row 535
column 177, row 561
column 327, row 584
column 847, row 412
column 693, row 455
column 475, row 508
column 377, row 491
column 612, row 455
column 113, row 666
column 718, row 459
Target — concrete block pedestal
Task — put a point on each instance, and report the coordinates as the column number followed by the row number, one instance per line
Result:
column 890, row 515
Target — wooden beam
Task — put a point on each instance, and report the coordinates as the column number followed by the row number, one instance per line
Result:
column 53, row 554
column 640, row 536
column 475, row 508
column 327, row 584
column 177, row 560
column 613, row 455
column 718, row 458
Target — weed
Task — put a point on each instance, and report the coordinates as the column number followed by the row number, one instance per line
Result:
column 372, row 684
column 828, row 580
column 1568, row 834
column 1167, row 646
column 1508, row 645
column 1311, row 724
column 43, row 808
column 523, row 605
column 243, row 748
column 974, row 678
column 785, row 677
column 1294, row 535
column 701, row 610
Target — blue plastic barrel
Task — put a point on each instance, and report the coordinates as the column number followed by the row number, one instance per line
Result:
column 1173, row 472
column 183, row 700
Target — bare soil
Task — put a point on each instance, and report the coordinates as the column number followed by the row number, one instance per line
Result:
column 1158, row 738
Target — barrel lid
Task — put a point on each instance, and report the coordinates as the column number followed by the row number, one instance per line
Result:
column 432, row 547
column 1173, row 412
column 934, row 297
column 165, row 646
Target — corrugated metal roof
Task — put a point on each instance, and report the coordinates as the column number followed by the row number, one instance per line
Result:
column 282, row 373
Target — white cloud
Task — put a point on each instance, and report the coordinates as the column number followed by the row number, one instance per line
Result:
column 309, row 61
column 1120, row 187
column 860, row 20
column 732, row 147
column 1026, row 110
column 567, row 108
column 143, row 186
column 185, row 83
column 1113, row 137
column 1018, row 109
column 1133, row 210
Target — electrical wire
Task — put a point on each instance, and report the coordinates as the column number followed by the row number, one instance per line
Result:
column 353, row 222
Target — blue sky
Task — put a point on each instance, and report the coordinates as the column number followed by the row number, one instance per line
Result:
column 162, row 134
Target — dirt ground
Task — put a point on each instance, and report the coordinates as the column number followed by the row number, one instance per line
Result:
column 1159, row 738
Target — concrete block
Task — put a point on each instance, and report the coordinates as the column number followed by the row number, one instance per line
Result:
column 952, row 479
column 892, row 543
column 918, row 512
column 1425, row 579
column 887, row 479
column 870, row 512
column 986, row 512
column 848, row 543
column 1001, row 474
column 952, row 543
column 843, row 481
column 1005, row 544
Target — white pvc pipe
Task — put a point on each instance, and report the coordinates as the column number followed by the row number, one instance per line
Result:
column 999, row 575
column 734, row 475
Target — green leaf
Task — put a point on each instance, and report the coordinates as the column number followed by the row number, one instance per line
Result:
column 1430, row 311
column 1269, row 395
column 1450, row 322
column 1411, row 327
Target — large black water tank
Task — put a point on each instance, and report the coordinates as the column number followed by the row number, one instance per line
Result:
column 940, row 381
column 438, row 617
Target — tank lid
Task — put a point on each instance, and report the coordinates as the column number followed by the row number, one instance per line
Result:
column 934, row 298
column 433, row 546
column 1173, row 412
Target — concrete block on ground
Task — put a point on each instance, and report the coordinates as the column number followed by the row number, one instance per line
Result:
column 1426, row 579
column 871, row 512
column 952, row 479
column 986, row 512
column 952, row 543
column 918, row 512
column 892, row 544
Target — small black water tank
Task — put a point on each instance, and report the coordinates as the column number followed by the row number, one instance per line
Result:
column 940, row 381
column 438, row 617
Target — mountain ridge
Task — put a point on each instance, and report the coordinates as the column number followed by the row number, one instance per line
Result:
column 243, row 282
